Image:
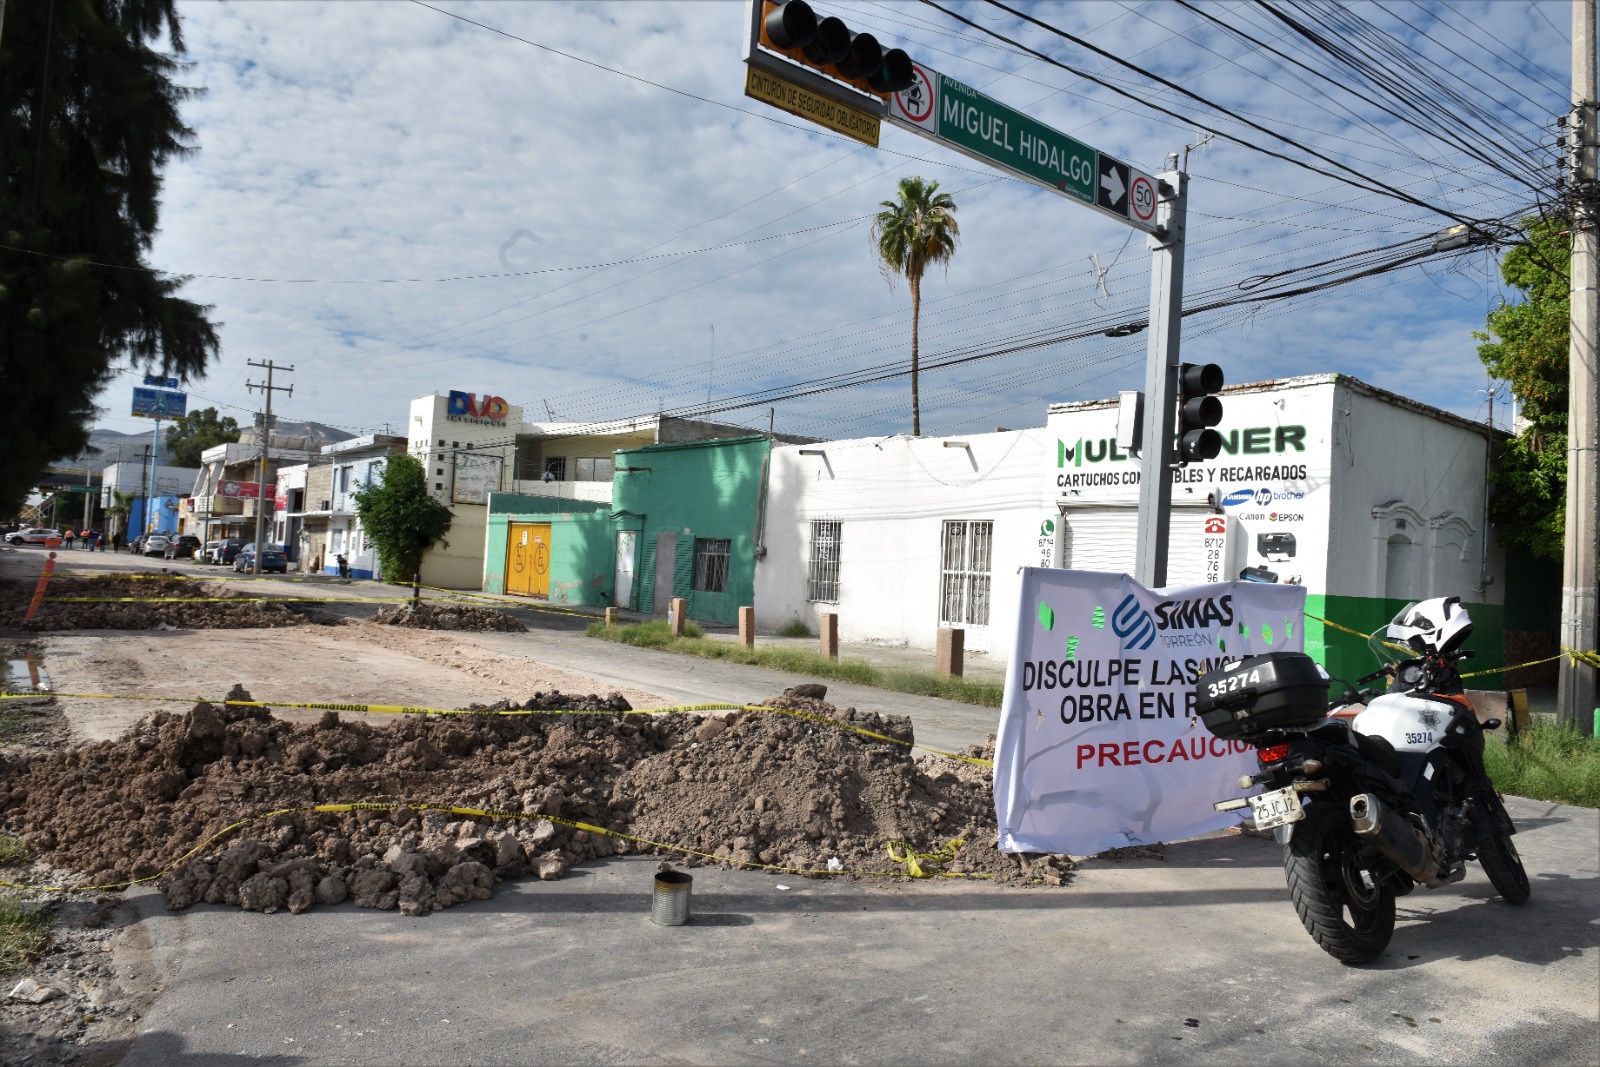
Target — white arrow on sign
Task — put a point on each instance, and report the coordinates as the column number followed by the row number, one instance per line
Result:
column 1112, row 181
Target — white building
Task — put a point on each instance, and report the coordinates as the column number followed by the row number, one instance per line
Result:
column 1366, row 498
column 902, row 535
column 135, row 479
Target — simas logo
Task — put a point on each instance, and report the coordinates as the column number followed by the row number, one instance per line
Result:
column 467, row 406
column 1237, row 497
column 1135, row 625
column 1197, row 614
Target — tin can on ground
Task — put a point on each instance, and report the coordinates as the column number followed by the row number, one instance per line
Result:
column 669, row 905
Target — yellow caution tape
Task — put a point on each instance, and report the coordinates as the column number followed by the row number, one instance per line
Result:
column 1588, row 658
column 245, row 599
column 406, row 709
column 484, row 813
column 913, row 859
column 177, row 577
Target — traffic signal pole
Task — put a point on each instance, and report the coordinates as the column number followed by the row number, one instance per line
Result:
column 1159, row 452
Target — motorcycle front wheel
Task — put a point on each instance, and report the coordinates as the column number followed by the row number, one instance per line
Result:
column 1341, row 903
column 1503, row 864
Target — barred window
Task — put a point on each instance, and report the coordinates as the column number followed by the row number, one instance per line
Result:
column 711, row 564
column 964, row 577
column 822, row 584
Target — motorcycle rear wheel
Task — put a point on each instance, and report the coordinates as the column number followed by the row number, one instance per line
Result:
column 1350, row 916
column 1503, row 864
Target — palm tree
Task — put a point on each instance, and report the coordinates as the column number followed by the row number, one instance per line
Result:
column 916, row 228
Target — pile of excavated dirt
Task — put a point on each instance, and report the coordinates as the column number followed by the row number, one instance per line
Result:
column 760, row 787
column 757, row 787
column 152, row 601
column 449, row 617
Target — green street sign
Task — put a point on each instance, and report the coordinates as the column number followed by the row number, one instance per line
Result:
column 945, row 110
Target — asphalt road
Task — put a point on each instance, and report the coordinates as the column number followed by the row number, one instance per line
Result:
column 1198, row 958
column 1195, row 959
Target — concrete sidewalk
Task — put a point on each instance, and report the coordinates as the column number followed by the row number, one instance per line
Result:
column 1197, row 958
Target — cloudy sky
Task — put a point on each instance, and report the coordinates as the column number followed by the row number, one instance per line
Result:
column 398, row 202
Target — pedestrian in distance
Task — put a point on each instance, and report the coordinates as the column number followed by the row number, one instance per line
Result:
column 116, row 541
column 66, row 537
column 94, row 540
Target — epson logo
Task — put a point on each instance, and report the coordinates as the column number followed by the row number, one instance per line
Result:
column 1198, row 614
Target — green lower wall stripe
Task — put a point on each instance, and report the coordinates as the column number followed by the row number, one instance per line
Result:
column 1347, row 656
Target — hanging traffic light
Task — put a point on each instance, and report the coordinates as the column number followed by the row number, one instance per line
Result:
column 828, row 45
column 1198, row 411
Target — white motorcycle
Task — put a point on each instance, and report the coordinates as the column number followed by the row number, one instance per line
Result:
column 1369, row 803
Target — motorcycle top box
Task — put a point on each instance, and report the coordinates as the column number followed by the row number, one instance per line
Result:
column 1260, row 694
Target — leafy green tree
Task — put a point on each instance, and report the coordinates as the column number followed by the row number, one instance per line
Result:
column 88, row 119
column 1526, row 344
column 196, row 432
column 400, row 518
column 915, row 229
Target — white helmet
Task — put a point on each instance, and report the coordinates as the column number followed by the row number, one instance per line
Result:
column 1438, row 626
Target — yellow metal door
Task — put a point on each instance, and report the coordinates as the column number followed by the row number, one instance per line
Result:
column 520, row 557
column 540, row 563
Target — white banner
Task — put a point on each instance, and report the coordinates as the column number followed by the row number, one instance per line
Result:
column 1099, row 745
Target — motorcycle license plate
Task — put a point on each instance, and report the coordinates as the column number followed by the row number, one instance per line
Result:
column 1277, row 808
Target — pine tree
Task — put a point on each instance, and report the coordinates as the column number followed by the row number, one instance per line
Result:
column 88, row 118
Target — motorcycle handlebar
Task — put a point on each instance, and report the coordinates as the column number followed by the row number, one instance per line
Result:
column 1381, row 672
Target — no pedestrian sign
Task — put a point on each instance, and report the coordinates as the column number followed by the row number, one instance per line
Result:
column 957, row 115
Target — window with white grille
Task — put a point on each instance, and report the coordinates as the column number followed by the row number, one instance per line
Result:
column 711, row 564
column 964, row 573
column 822, row 584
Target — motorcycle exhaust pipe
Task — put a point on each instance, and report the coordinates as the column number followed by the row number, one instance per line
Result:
column 1388, row 831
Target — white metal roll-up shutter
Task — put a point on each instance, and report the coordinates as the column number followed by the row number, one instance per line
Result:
column 1105, row 538
column 1099, row 539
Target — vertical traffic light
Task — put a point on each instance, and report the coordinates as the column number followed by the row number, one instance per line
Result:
column 1198, row 411
column 830, row 46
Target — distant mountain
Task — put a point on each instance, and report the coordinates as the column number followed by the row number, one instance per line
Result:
column 129, row 447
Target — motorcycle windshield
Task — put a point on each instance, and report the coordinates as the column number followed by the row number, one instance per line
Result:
column 1386, row 650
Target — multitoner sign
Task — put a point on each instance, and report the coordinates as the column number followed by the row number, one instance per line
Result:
column 942, row 109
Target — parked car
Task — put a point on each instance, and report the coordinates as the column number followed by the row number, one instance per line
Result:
column 32, row 535
column 273, row 559
column 181, row 547
column 226, row 550
column 154, row 545
column 204, row 553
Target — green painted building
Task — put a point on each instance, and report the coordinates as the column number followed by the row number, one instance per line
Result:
column 697, row 512
column 685, row 520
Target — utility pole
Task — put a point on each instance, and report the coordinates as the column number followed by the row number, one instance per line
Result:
column 1158, row 447
column 266, row 436
column 1576, row 697
column 147, row 476
column 87, row 515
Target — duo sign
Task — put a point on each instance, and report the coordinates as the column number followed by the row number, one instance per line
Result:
column 943, row 109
